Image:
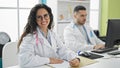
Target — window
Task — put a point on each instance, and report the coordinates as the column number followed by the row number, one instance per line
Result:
column 8, row 3
column 94, row 14
column 8, row 22
column 13, row 16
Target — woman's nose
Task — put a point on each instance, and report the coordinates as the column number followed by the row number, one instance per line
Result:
column 43, row 19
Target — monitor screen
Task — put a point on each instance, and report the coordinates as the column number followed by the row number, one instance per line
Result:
column 113, row 33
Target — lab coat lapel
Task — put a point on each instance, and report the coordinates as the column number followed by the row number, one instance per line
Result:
column 88, row 33
column 44, row 40
column 77, row 31
column 53, row 41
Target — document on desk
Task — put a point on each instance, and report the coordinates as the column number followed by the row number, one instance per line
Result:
column 83, row 62
column 65, row 64
column 86, row 61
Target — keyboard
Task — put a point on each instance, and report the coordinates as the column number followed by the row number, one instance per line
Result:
column 92, row 56
column 114, row 53
column 105, row 50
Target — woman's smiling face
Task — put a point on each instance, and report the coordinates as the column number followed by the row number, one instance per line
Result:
column 42, row 18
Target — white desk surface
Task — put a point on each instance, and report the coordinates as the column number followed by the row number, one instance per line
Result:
column 106, row 62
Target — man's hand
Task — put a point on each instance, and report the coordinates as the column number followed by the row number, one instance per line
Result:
column 99, row 47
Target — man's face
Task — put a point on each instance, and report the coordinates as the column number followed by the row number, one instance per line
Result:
column 80, row 17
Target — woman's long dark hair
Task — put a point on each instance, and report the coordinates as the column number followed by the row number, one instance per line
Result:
column 32, row 24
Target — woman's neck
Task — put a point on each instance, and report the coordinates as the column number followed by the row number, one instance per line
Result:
column 45, row 31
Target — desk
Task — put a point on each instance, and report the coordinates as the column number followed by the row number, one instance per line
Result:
column 106, row 62
column 35, row 67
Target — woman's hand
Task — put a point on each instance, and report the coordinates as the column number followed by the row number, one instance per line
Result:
column 74, row 62
column 55, row 61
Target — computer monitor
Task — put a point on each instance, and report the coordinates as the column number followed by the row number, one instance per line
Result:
column 113, row 33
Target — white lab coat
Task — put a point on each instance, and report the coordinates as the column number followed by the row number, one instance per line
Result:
column 75, row 40
column 32, row 55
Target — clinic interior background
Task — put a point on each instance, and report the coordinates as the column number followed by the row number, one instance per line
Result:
column 14, row 13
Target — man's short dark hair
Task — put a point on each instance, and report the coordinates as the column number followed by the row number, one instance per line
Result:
column 79, row 7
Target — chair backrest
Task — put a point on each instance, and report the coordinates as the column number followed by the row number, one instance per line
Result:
column 9, row 55
column 4, row 38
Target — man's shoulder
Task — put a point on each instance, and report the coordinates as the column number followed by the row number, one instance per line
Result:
column 87, row 24
column 70, row 26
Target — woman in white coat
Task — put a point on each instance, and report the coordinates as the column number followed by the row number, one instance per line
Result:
column 78, row 35
column 39, row 45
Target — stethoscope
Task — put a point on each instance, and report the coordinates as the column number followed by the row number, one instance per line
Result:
column 39, row 40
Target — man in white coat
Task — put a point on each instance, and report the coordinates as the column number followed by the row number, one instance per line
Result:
column 78, row 35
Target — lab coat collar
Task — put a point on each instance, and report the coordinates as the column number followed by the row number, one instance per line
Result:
column 76, row 29
column 73, row 24
column 40, row 36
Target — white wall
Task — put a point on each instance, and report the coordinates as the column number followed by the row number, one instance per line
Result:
column 13, row 23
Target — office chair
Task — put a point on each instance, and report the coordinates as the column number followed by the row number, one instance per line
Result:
column 9, row 55
column 4, row 38
column 103, row 38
